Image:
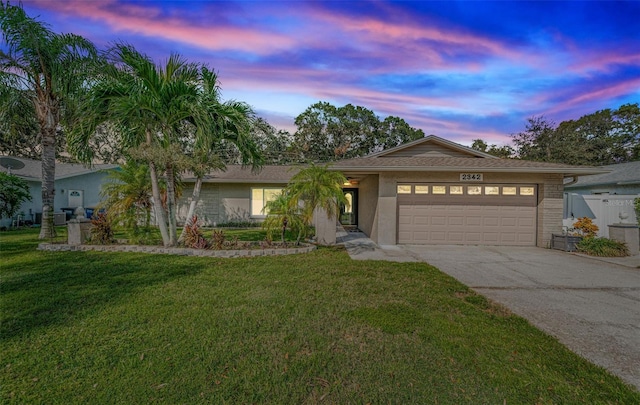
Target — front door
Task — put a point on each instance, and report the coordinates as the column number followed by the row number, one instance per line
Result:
column 349, row 212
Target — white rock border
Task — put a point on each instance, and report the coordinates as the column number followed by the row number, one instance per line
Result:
column 60, row 247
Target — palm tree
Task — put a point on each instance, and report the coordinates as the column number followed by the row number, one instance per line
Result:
column 127, row 195
column 47, row 69
column 317, row 187
column 283, row 214
column 229, row 122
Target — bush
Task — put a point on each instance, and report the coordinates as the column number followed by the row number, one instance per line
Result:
column 603, row 247
column 585, row 227
column 102, row 231
column 193, row 237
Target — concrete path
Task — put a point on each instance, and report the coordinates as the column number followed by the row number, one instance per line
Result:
column 590, row 305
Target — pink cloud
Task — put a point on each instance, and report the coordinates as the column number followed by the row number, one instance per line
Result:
column 145, row 21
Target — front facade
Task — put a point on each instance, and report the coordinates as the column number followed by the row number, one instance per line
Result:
column 433, row 191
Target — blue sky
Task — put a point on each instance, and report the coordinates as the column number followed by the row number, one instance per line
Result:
column 457, row 69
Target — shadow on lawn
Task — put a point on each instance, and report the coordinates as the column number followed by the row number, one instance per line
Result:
column 63, row 286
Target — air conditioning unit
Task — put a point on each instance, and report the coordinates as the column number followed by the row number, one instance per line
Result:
column 59, row 218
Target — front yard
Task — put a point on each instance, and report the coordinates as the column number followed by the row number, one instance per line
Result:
column 91, row 327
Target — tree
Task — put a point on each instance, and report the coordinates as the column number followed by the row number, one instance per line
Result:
column 13, row 192
column 317, row 187
column 229, row 127
column 504, row 151
column 328, row 133
column 601, row 138
column 126, row 196
column 40, row 72
column 284, row 213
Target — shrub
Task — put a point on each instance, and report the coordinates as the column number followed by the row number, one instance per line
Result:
column 193, row 237
column 102, row 231
column 585, row 227
column 603, row 247
column 217, row 239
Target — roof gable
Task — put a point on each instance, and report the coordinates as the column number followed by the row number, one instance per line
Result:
column 433, row 146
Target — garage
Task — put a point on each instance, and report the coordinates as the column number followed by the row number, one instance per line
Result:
column 470, row 214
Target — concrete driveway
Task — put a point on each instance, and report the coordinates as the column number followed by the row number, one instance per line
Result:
column 591, row 306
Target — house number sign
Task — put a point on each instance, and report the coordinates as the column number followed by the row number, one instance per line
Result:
column 470, row 176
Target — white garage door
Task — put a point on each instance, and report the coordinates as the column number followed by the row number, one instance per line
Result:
column 469, row 215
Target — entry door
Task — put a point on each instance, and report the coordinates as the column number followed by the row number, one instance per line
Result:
column 76, row 198
column 349, row 213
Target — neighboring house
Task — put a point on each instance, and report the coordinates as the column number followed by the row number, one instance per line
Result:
column 75, row 186
column 604, row 197
column 433, row 191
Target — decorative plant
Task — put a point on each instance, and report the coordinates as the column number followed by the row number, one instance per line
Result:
column 636, row 206
column 603, row 247
column 585, row 227
column 217, row 239
column 102, row 231
column 193, row 237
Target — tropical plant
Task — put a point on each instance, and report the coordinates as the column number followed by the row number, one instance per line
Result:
column 41, row 72
column 230, row 126
column 13, row 192
column 317, row 187
column 585, row 227
column 101, row 229
column 193, row 235
column 282, row 214
column 126, row 197
column 603, row 247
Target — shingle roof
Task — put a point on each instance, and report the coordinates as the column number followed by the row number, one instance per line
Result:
column 620, row 174
column 32, row 169
column 426, row 164
column 240, row 174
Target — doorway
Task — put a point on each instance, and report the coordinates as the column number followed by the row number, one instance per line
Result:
column 349, row 212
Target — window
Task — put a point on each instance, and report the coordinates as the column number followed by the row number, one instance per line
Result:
column 404, row 189
column 474, row 190
column 422, row 189
column 526, row 190
column 439, row 189
column 491, row 190
column 455, row 190
column 508, row 190
column 259, row 199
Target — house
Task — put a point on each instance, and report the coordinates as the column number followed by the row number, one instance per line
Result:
column 75, row 186
column 433, row 191
column 604, row 197
column 430, row 191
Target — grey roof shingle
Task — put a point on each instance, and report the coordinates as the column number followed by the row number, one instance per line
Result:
column 455, row 164
column 240, row 174
column 620, row 174
column 32, row 169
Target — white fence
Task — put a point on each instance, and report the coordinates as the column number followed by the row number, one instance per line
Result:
column 603, row 209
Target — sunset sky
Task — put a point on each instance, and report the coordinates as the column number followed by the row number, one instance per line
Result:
column 457, row 69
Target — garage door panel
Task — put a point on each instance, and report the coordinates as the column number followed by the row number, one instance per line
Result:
column 457, row 224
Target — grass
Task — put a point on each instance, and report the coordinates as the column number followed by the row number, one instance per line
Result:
column 92, row 327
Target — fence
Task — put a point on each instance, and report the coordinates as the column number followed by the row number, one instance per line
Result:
column 603, row 209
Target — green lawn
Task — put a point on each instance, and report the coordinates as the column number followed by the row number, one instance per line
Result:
column 91, row 327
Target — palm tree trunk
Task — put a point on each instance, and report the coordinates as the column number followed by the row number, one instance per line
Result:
column 157, row 203
column 47, row 125
column 195, row 197
column 171, row 206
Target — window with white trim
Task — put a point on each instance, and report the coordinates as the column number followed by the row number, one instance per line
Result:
column 260, row 196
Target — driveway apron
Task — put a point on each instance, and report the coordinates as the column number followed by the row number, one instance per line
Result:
column 591, row 306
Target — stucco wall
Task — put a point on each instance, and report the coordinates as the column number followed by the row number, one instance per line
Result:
column 368, row 206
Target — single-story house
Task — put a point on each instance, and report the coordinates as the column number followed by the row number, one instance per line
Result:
column 75, row 186
column 430, row 191
column 604, row 197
